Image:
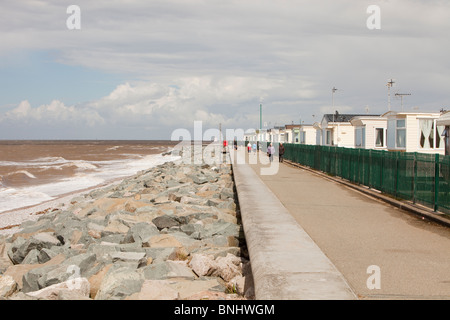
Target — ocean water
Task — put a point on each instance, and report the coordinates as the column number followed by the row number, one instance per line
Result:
column 32, row 172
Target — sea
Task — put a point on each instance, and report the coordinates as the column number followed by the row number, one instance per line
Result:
column 36, row 171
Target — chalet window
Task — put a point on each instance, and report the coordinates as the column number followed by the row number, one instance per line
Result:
column 363, row 135
column 302, row 137
column 358, row 137
column 430, row 134
column 379, row 137
column 440, row 141
column 328, row 137
column 400, row 141
column 426, row 140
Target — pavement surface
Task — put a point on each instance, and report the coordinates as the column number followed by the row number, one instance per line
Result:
column 383, row 252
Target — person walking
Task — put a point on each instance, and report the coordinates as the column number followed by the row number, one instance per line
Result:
column 249, row 147
column 280, row 152
column 254, row 146
column 271, row 152
column 225, row 144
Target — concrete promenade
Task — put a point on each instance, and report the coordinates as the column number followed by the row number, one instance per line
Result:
column 286, row 263
column 312, row 238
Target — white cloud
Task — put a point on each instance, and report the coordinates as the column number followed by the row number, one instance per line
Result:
column 212, row 100
column 54, row 113
column 214, row 61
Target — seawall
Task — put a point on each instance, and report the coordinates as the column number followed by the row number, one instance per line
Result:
column 286, row 262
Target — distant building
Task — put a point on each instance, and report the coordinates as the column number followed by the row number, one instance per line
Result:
column 307, row 134
column 292, row 133
column 303, row 134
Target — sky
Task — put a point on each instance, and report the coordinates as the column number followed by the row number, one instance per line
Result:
column 141, row 69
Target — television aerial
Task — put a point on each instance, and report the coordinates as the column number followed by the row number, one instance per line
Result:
column 401, row 95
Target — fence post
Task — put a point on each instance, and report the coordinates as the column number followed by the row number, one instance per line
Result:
column 396, row 172
column 358, row 173
column 436, row 181
column 369, row 174
column 415, row 178
column 381, row 172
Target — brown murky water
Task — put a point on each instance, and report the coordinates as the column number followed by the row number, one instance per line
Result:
column 30, row 170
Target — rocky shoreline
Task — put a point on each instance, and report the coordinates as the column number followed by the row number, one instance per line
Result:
column 170, row 232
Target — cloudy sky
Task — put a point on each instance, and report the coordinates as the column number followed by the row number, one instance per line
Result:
column 139, row 69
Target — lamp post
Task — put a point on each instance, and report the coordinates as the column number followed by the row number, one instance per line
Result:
column 260, row 116
column 332, row 97
column 332, row 100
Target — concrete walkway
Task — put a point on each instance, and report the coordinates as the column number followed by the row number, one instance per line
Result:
column 311, row 238
column 286, row 263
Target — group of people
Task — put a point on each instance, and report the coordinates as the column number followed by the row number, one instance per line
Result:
column 254, row 147
column 251, row 147
column 270, row 150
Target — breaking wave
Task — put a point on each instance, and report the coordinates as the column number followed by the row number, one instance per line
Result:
column 88, row 174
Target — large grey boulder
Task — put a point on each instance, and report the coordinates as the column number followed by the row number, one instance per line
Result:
column 76, row 289
column 165, row 221
column 75, row 266
column 222, row 228
column 137, row 258
column 32, row 257
column 30, row 280
column 21, row 247
column 167, row 270
column 140, row 232
column 119, row 283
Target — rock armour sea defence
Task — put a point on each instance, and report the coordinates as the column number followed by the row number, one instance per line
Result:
column 171, row 232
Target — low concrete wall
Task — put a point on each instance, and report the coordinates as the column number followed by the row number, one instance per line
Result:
column 286, row 262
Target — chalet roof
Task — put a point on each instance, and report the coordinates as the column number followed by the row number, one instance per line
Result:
column 344, row 117
column 444, row 119
column 296, row 126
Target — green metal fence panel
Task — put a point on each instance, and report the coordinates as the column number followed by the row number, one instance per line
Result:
column 425, row 181
column 444, row 184
column 405, row 175
column 422, row 178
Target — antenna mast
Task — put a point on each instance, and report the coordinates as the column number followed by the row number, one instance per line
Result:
column 401, row 97
column 389, row 85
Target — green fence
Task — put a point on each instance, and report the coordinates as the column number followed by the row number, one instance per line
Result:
column 421, row 178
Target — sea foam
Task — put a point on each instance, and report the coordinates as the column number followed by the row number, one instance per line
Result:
column 100, row 172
